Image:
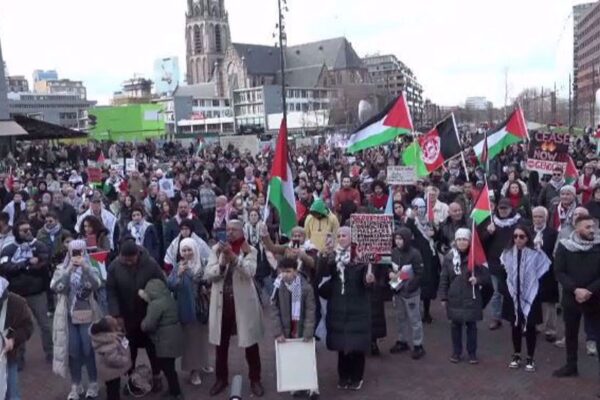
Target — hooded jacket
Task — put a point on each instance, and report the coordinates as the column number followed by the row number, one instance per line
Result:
column 162, row 321
column 318, row 228
column 113, row 359
column 408, row 255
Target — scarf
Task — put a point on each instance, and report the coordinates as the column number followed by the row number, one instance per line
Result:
column 295, row 289
column 53, row 231
column 138, row 230
column 538, row 240
column 456, row 261
column 523, row 283
column 237, row 246
column 423, row 228
column 515, row 200
column 557, row 185
column 576, row 243
column 506, row 222
column 221, row 217
column 24, row 252
column 252, row 235
column 342, row 259
column 563, row 214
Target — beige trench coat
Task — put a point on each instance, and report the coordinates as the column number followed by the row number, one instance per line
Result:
column 248, row 312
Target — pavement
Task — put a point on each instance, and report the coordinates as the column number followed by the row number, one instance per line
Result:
column 389, row 376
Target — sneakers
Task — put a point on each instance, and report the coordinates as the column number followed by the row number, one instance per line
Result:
column 418, row 352
column 399, row 347
column 455, row 358
column 560, row 343
column 529, row 365
column 473, row 360
column 343, row 384
column 195, row 378
column 355, row 385
column 495, row 324
column 590, row 347
column 76, row 391
column 566, row 371
column 516, row 362
column 92, row 391
column 208, row 369
column 550, row 337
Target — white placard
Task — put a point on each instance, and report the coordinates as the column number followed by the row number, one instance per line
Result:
column 296, row 364
column 166, row 185
column 130, row 164
column 401, row 175
column 241, row 142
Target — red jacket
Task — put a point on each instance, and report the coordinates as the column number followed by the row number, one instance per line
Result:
column 344, row 195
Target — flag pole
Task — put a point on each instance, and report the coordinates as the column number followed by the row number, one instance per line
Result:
column 462, row 152
column 471, row 250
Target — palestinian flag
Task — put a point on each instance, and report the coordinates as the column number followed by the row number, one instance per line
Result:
column 571, row 173
column 482, row 209
column 99, row 261
column 476, row 251
column 513, row 130
column 392, row 122
column 436, row 147
column 101, row 158
column 281, row 186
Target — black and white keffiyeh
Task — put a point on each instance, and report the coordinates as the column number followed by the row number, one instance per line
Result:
column 342, row 259
column 506, row 222
column 295, row 288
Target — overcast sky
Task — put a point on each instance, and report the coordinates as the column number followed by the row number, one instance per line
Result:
column 456, row 48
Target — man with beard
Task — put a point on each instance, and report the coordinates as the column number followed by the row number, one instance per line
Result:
column 25, row 265
column 15, row 209
column 577, row 269
column 303, row 204
column 346, row 200
column 552, row 189
column 65, row 212
column 495, row 238
column 455, row 220
column 171, row 228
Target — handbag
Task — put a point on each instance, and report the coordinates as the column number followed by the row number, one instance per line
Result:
column 81, row 312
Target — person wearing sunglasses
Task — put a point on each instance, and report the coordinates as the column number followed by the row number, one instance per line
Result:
column 523, row 266
column 552, row 189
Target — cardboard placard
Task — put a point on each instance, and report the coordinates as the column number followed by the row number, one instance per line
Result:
column 372, row 236
column 548, row 151
column 94, row 174
column 401, row 175
column 296, row 365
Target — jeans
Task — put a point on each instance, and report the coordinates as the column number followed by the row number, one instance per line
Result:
column 38, row 303
column 588, row 328
column 496, row 301
column 266, row 288
column 410, row 326
column 351, row 366
column 550, row 317
column 572, row 317
column 12, row 381
column 81, row 353
column 457, row 343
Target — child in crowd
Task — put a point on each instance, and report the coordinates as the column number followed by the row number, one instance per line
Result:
column 162, row 324
column 294, row 306
column 113, row 357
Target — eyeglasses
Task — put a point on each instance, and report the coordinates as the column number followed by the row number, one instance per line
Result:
column 519, row 236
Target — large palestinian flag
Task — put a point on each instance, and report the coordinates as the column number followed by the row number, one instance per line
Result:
column 281, row 186
column 392, row 122
column 512, row 131
column 434, row 148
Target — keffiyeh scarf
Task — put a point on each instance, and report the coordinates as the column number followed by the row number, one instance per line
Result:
column 295, row 289
column 138, row 231
column 533, row 265
column 456, row 261
column 24, row 252
column 538, row 240
column 342, row 259
column 575, row 243
column 506, row 222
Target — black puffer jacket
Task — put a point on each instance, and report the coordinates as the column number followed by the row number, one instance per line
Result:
column 348, row 318
column 408, row 255
column 494, row 244
column 456, row 289
column 25, row 278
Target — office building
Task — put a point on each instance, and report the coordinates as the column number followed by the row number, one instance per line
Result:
column 17, row 83
column 60, row 86
column 43, row 75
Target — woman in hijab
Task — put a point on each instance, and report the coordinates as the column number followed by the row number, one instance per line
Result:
column 75, row 282
column 348, row 318
column 185, row 283
column 423, row 241
column 523, row 266
column 460, row 292
column 186, row 230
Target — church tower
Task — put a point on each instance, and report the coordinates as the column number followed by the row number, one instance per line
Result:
column 207, row 38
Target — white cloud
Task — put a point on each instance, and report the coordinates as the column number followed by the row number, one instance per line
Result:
column 456, row 48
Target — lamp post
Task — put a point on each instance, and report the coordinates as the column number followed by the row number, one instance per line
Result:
column 282, row 43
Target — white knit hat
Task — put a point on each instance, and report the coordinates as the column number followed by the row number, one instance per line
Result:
column 568, row 188
column 463, row 233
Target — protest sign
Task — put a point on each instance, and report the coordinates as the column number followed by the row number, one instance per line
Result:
column 548, row 151
column 94, row 174
column 130, row 165
column 401, row 175
column 296, row 365
column 372, row 236
column 243, row 143
column 166, row 185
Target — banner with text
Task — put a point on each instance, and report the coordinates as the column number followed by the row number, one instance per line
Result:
column 401, row 175
column 548, row 151
column 372, row 236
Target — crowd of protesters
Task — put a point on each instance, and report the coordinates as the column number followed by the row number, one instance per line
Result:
column 195, row 256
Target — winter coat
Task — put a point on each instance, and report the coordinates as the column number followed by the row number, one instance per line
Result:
column 446, row 232
column 55, row 246
column 409, row 256
column 457, row 291
column 430, row 279
column 185, row 291
column 113, row 359
column 26, row 279
column 547, row 197
column 161, row 321
column 548, row 285
column 380, row 293
column 171, row 230
column 568, row 267
column 67, row 216
column 248, row 311
column 122, row 285
column 348, row 319
column 19, row 320
column 494, row 244
column 61, row 285
column 281, row 312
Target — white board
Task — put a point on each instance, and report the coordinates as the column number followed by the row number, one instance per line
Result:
column 401, row 175
column 296, row 364
column 241, row 142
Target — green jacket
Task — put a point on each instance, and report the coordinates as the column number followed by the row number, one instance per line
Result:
column 161, row 321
